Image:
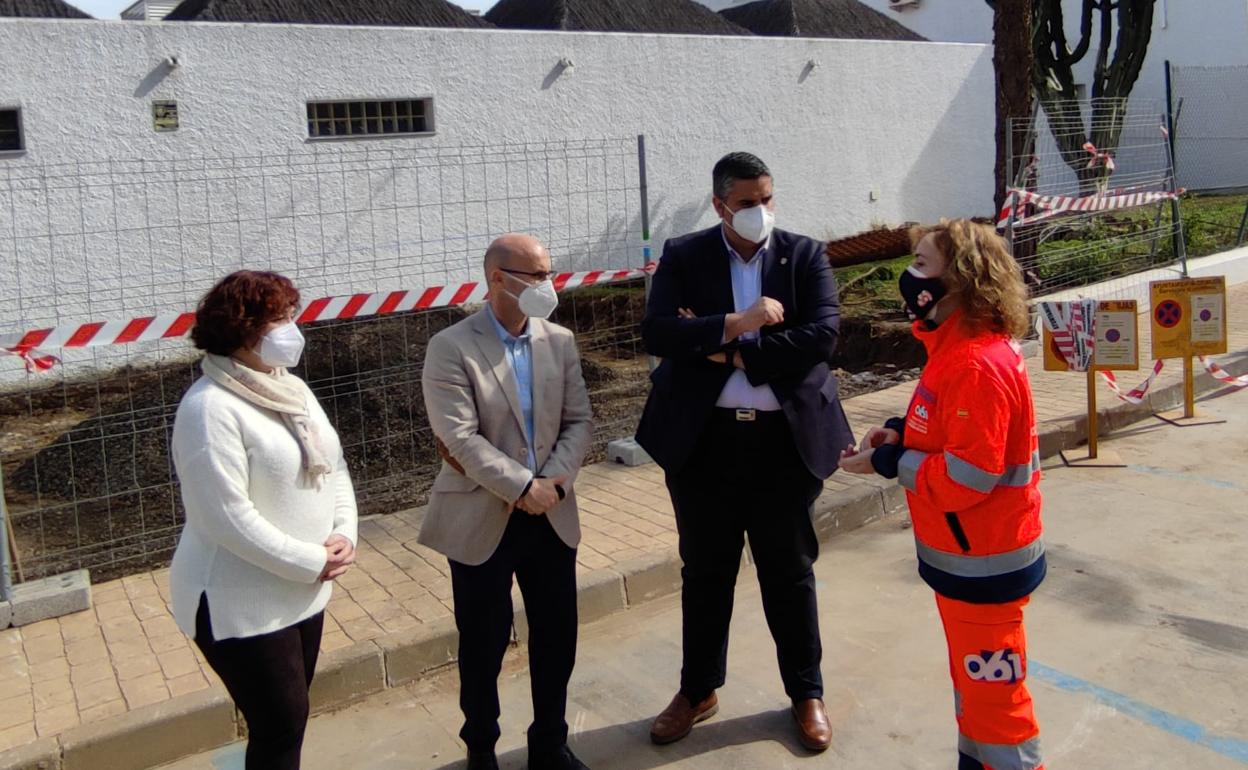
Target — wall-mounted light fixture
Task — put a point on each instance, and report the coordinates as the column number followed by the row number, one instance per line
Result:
column 565, row 64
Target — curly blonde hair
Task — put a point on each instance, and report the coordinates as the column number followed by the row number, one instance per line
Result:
column 982, row 275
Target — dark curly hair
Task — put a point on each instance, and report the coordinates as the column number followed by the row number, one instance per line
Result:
column 235, row 311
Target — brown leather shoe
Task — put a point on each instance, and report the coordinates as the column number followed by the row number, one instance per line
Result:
column 813, row 729
column 678, row 719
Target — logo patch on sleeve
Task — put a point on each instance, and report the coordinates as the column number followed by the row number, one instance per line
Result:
column 919, row 417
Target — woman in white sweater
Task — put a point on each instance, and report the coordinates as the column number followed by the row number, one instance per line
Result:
column 270, row 511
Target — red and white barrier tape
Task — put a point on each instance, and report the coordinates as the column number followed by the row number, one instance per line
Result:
column 1055, row 205
column 174, row 325
column 1136, row 394
column 1073, row 326
column 1099, row 158
column 1221, row 375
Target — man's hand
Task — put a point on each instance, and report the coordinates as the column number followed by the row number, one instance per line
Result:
column 542, row 496
column 877, row 437
column 718, row 358
column 340, row 555
column 765, row 312
column 853, row 461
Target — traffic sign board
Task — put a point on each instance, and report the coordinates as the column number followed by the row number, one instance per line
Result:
column 1189, row 317
column 1169, row 313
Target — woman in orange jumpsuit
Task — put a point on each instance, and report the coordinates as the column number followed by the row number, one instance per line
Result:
column 967, row 454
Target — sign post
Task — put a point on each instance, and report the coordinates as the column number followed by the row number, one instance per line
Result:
column 1115, row 347
column 1188, row 319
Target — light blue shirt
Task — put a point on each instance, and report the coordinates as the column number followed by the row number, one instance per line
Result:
column 747, row 287
column 520, row 356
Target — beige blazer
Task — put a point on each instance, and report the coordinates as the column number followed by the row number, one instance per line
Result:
column 474, row 408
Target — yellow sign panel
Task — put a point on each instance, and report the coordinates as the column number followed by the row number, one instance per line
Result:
column 1117, row 340
column 1189, row 317
column 1117, row 336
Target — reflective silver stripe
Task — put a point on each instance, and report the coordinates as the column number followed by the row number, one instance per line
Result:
column 1003, row 756
column 973, row 477
column 981, row 566
column 968, row 475
column 908, row 468
column 1021, row 475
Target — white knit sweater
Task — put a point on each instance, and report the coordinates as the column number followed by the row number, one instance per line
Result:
column 255, row 523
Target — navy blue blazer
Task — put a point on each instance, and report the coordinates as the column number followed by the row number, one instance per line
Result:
column 792, row 357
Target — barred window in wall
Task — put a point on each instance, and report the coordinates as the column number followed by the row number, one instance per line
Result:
column 11, row 130
column 387, row 117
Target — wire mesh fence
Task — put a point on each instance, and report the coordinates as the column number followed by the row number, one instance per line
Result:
column 1211, row 127
column 84, row 446
column 1096, row 197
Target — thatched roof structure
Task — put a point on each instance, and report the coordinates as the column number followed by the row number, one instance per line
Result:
column 40, row 9
column 678, row 17
column 818, row 18
column 387, row 13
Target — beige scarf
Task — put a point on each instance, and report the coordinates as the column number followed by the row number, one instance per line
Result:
column 278, row 392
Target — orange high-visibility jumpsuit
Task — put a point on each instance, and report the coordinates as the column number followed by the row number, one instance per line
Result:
column 970, row 463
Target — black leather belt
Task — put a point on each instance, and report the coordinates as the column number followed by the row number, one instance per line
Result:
column 747, row 416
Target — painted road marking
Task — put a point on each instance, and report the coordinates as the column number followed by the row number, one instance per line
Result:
column 1186, row 729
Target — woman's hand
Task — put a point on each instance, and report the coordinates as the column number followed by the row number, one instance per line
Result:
column 340, row 555
column 855, row 461
column 878, row 437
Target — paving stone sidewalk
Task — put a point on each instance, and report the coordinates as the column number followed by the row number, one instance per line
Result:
column 126, row 652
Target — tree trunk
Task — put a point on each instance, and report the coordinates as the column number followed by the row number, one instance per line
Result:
column 1012, row 59
column 1113, row 78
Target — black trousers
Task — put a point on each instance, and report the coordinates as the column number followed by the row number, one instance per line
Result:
column 747, row 479
column 268, row 677
column 545, row 568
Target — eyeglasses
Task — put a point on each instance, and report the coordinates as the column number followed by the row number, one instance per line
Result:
column 539, row 276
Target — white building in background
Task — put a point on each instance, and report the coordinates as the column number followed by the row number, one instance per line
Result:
column 135, row 175
column 1188, row 33
column 149, row 10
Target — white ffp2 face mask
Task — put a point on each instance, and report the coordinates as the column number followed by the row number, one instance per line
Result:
column 753, row 224
column 537, row 300
column 282, row 346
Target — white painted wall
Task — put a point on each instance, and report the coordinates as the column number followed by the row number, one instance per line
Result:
column 912, row 122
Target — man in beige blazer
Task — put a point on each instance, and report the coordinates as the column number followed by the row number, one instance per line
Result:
column 509, row 409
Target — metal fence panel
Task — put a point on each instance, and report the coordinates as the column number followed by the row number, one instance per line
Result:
column 84, row 446
column 1109, row 211
column 1211, row 127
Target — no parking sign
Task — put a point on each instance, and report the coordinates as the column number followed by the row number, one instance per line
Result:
column 1189, row 317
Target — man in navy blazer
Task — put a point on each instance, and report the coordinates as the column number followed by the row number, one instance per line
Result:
column 744, row 419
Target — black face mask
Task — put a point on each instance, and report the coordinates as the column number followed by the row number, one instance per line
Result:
column 920, row 293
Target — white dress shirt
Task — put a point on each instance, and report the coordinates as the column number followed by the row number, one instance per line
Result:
column 747, row 287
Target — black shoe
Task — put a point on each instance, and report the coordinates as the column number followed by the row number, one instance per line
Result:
column 482, row 760
column 561, row 759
